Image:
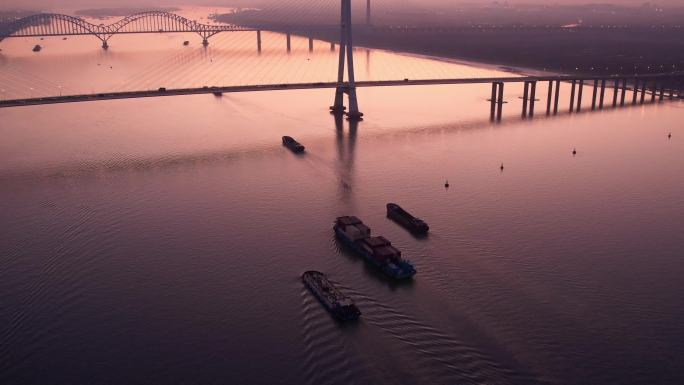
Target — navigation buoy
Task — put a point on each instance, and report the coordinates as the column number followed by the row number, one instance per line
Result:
column 446, row 184
column 502, row 167
column 574, row 151
column 669, row 136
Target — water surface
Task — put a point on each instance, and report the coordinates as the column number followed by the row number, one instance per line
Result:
column 162, row 240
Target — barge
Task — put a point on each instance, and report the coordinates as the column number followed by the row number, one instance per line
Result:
column 405, row 219
column 338, row 304
column 293, row 145
column 376, row 250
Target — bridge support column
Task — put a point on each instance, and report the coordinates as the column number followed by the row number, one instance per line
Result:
column 580, row 92
column 332, row 46
column 572, row 95
column 289, row 42
column 593, row 98
column 525, row 98
column 661, row 96
column 529, row 98
column 616, row 91
column 205, row 42
column 654, row 91
column 556, row 97
column 644, row 85
column 259, row 41
column 603, row 93
column 346, row 52
column 548, row 99
column 368, row 12
column 311, row 44
column 533, row 97
column 635, row 94
column 500, row 101
column 624, row 93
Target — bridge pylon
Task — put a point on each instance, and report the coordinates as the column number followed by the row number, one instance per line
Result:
column 346, row 53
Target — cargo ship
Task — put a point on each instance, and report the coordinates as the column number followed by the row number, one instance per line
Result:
column 338, row 304
column 376, row 250
column 293, row 145
column 404, row 218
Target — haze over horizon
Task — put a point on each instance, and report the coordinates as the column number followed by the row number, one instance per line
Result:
column 66, row 4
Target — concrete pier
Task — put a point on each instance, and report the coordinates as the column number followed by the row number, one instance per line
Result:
column 636, row 92
column 644, row 85
column 603, row 93
column 616, row 90
column 556, row 97
column 548, row 99
column 526, row 98
column 492, row 101
column 533, row 97
column 311, row 44
column 500, row 101
column 496, row 101
column 572, row 95
column 593, row 98
column 624, row 92
column 259, row 41
column 289, row 42
column 580, row 92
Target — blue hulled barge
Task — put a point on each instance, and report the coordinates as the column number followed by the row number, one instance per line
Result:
column 376, row 250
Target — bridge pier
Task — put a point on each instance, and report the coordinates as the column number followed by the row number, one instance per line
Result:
column 205, row 41
column 603, row 93
column 533, row 97
column 311, row 44
column 332, row 46
column 259, row 40
column 556, row 97
column 661, row 96
column 368, row 12
column 496, row 101
column 346, row 52
column 654, row 91
column 636, row 92
column 529, row 98
column 579, row 95
column 572, row 95
column 593, row 98
column 105, row 45
column 289, row 42
column 548, row 98
column 644, row 85
column 624, row 92
column 616, row 91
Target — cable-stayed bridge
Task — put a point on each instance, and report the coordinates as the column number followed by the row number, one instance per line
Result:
column 658, row 86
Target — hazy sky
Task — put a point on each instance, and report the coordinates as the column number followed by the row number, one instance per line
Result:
column 70, row 4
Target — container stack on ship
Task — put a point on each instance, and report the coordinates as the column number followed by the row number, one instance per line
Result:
column 376, row 250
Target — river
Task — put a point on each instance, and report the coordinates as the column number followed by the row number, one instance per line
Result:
column 162, row 240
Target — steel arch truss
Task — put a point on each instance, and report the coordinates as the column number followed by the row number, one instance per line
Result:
column 52, row 24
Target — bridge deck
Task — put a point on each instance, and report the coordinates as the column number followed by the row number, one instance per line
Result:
column 300, row 86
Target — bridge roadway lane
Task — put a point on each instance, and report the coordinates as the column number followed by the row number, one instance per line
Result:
column 303, row 86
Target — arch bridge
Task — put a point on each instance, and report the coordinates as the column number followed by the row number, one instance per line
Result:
column 53, row 24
